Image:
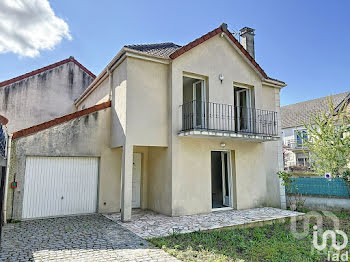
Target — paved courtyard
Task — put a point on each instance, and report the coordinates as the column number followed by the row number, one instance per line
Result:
column 148, row 224
column 78, row 238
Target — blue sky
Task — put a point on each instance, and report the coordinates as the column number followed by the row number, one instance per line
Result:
column 304, row 43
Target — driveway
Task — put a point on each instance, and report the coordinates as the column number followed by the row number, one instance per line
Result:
column 76, row 238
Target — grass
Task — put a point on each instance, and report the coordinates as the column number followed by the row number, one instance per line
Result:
column 267, row 243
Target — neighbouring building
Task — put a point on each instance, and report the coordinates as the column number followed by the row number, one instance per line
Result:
column 293, row 117
column 176, row 129
column 43, row 94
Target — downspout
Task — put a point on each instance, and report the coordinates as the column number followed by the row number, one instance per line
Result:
column 110, row 79
column 9, row 142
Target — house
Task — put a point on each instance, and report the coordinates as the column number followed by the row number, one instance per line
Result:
column 176, row 129
column 43, row 94
column 293, row 131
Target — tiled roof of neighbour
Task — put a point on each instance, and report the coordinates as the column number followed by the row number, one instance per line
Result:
column 160, row 49
column 295, row 115
column 60, row 120
column 45, row 68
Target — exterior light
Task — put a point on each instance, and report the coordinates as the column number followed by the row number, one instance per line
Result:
column 222, row 144
column 221, row 77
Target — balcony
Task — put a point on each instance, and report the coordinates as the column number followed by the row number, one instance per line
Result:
column 295, row 145
column 213, row 119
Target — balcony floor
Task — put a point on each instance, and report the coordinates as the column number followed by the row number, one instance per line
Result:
column 223, row 134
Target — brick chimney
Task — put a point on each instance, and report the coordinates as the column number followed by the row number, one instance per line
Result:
column 247, row 39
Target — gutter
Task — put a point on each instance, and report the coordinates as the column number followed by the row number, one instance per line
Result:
column 110, row 66
column 273, row 83
column 9, row 142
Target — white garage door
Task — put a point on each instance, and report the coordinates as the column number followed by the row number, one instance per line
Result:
column 56, row 186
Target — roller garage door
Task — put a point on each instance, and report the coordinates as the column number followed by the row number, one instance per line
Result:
column 57, row 186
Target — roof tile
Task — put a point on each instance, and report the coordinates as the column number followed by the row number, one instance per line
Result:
column 60, row 120
column 45, row 68
column 295, row 115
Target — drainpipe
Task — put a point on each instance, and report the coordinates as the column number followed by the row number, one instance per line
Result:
column 7, row 175
column 110, row 79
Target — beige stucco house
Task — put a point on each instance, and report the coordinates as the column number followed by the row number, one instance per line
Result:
column 176, row 129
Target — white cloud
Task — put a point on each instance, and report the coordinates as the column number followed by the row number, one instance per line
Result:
column 28, row 26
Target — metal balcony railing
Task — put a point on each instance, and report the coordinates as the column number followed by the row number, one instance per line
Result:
column 198, row 115
column 295, row 144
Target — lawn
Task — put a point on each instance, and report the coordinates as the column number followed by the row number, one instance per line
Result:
column 267, row 243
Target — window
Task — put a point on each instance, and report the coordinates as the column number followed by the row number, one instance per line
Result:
column 301, row 160
column 301, row 137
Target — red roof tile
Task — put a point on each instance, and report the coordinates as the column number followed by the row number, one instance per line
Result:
column 45, row 68
column 220, row 29
column 3, row 120
column 60, row 120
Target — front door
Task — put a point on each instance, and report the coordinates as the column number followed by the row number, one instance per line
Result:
column 136, row 181
column 221, row 179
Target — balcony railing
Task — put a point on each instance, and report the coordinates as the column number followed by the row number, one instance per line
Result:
column 198, row 115
column 295, row 144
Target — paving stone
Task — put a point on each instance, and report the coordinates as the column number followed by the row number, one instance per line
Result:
column 75, row 238
column 148, row 224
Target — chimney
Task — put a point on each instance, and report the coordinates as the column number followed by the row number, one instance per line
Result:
column 247, row 40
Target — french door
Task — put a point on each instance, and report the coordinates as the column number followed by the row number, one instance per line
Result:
column 199, row 107
column 226, row 179
column 243, row 110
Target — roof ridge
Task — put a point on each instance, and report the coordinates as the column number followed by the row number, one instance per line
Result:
column 60, row 120
column 45, row 68
column 221, row 29
column 150, row 44
column 323, row 97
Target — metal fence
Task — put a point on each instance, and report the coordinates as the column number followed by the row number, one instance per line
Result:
column 198, row 115
column 319, row 186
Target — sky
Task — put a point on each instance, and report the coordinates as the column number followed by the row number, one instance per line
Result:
column 303, row 43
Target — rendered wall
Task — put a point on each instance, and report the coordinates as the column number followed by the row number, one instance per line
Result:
column 256, row 163
column 42, row 97
column 88, row 135
column 159, row 181
column 147, row 104
column 98, row 96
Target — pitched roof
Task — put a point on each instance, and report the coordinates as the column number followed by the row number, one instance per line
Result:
column 172, row 51
column 222, row 28
column 60, row 120
column 295, row 115
column 158, row 49
column 45, row 68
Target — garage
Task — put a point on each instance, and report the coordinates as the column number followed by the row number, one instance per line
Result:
column 58, row 186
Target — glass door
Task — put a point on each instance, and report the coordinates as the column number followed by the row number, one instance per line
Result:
column 243, row 110
column 226, row 179
column 199, row 104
